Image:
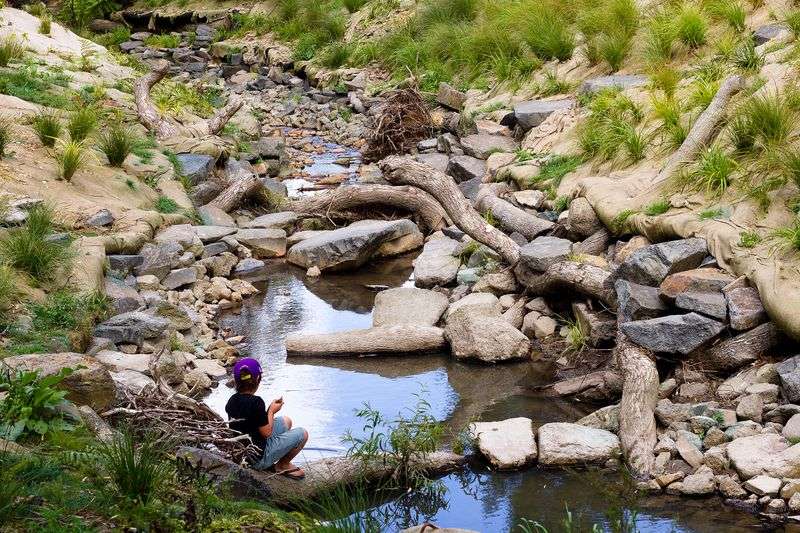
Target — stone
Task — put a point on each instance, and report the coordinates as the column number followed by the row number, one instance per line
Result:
column 697, row 280
column 507, row 444
column 562, row 443
column 477, row 302
column 284, row 220
column 264, row 243
column 437, row 265
column 544, row 326
column 434, row 160
column 197, row 380
column 132, row 382
column 700, row 483
column 210, row 367
column 220, row 265
column 689, row 451
column 498, row 283
column 214, row 216
column 179, row 278
column 349, row 247
column 529, row 198
column 147, row 282
column 745, row 428
column 619, row 81
column 408, row 306
column 249, row 267
column 711, row 304
column 197, row 168
column 717, row 460
column 210, row 234
column 124, row 264
column 715, row 437
column 776, row 506
column 130, row 46
column 789, row 374
column 180, row 316
column 750, row 407
column 729, row 487
column 464, row 168
column 131, row 328
column 651, row 264
column 100, row 218
column 89, row 384
column 450, row 97
column 669, row 413
column 792, row 429
column 794, row 502
column 674, row 333
column 482, row 145
column 767, row 453
column 790, row 488
column 121, row 297
column 763, row 485
column 638, row 302
column 171, row 366
column 117, row 361
column 606, row 418
column 582, row 219
column 768, row 391
column 489, row 339
column 745, row 308
column 767, row 32
column 470, row 188
column 158, row 258
column 542, row 252
column 532, row 113
column 183, row 234
column 597, row 326
column 270, row 147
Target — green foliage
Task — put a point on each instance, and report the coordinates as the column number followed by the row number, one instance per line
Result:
column 82, row 123
column 618, row 223
column 175, row 98
column 335, row 54
column 609, row 27
column 561, row 204
column 45, row 23
column 703, row 91
column 552, row 85
column 70, row 156
column 749, row 239
column 746, row 57
column 34, row 85
column 8, row 291
column 114, row 38
column 612, row 125
column 691, row 26
column 614, row 48
column 29, row 407
column 80, row 12
column 354, row 5
column 47, row 126
column 672, row 129
column 660, row 39
column 713, row 171
column 548, row 34
column 577, row 338
column 6, row 132
column 713, row 213
column 116, row 142
column 165, row 40
column 789, row 236
column 666, row 79
column 762, row 123
column 166, row 205
column 658, row 207
column 29, row 250
column 10, row 50
column 731, row 11
column 136, row 466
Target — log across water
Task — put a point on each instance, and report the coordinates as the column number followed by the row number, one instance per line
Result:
column 370, row 341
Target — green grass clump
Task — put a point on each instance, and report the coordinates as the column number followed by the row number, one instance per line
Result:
column 555, row 168
column 10, row 50
column 81, row 124
column 749, row 239
column 612, row 127
column 45, row 23
column 659, row 207
column 47, row 126
column 703, row 91
column 793, row 21
column 731, row 11
column 713, row 213
column 745, row 57
column 619, row 221
column 666, row 79
column 165, row 40
column 176, row 98
column 672, row 129
column 788, row 236
column 166, row 205
column 714, row 171
column 8, row 290
column 691, row 26
column 71, row 156
column 116, row 142
column 552, row 85
column 335, row 55
column 5, row 137
column 354, row 5
column 114, row 38
column 609, row 27
column 28, row 249
column 762, row 123
column 137, row 467
column 661, row 39
column 35, row 85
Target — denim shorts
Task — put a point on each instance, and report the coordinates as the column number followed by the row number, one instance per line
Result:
column 282, row 441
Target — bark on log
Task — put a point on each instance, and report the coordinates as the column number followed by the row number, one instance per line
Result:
column 704, row 130
column 348, row 198
column 510, row 217
column 321, row 476
column 637, row 422
column 373, row 341
column 240, row 188
column 570, row 275
column 402, row 170
column 602, row 383
column 594, row 244
column 734, row 353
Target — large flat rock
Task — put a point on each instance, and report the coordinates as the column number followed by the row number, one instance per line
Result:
column 507, row 444
column 532, row 113
column 674, row 333
column 437, row 265
column 283, row 220
column 562, row 443
column 769, row 454
column 542, row 252
column 486, row 338
column 408, row 305
column 482, row 145
column 131, row 328
column 264, row 242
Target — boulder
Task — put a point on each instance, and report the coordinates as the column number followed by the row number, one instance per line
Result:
column 214, row 216
column 789, row 374
column 482, row 145
column 264, row 243
column 171, row 366
column 477, row 302
column 763, row 485
column 101, row 218
column 408, row 305
column 619, row 81
column 638, row 302
column 179, row 278
column 124, row 264
column 700, row 483
column 183, row 234
column 792, row 428
column 542, row 252
column 674, row 333
column 464, row 168
column 767, row 453
column 507, row 444
column 131, row 328
column 689, row 451
column 606, row 418
column 563, row 443
column 158, row 258
column 437, row 265
column 196, row 168
column 210, row 234
column 532, row 113
column 767, row 32
column 284, row 220
column 117, row 361
column 745, row 308
column 529, row 198
column 130, row 382
column 497, row 283
column 450, row 97
column 210, row 367
column 582, row 219
column 651, row 264
column 697, row 280
column 249, row 267
column 711, row 304
column 90, row 384
column 486, row 338
column 434, row 160
column 121, row 297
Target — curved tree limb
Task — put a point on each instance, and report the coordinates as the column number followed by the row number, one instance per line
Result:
column 221, row 117
column 570, row 275
column 510, row 217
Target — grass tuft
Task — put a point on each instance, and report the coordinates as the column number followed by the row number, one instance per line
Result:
column 659, row 207
column 70, row 157
column 691, row 26
column 10, row 50
column 749, row 239
column 788, row 236
column 82, row 123
column 6, row 132
column 45, row 23
column 166, row 205
column 117, row 142
column 29, row 250
column 47, row 126
column 714, row 170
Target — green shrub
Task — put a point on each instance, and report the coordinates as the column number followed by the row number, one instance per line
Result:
column 71, row 156
column 714, row 171
column 136, row 466
column 165, row 40
column 29, row 407
column 81, row 124
column 703, row 92
column 793, row 21
column 45, row 23
column 660, row 39
column 548, row 34
column 335, row 55
column 114, row 38
column 166, row 205
column 612, row 125
column 47, row 126
column 618, row 223
column 6, row 132
column 116, row 142
column 81, row 12
column 691, row 26
column 666, row 79
column 749, row 239
column 614, row 48
column 10, row 49
column 763, row 122
column 672, row 127
column 27, row 248
column 659, row 207
column 8, row 290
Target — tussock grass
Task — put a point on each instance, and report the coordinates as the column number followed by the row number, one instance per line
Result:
column 745, row 57
column 665, row 79
column 10, row 50
column 45, row 23
column 612, row 127
column 793, row 21
column 9, row 291
column 136, row 466
column 788, row 237
column 762, row 123
column 116, row 143
column 703, row 92
column 28, row 249
column 47, row 126
column 730, row 11
column 749, row 239
column 166, row 205
column 658, row 207
column 691, row 26
column 82, row 123
column 71, row 156
column 714, row 171
column 673, row 131
column 6, row 132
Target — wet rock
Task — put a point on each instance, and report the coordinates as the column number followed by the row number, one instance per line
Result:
column 489, row 339
column 582, row 219
column 532, row 113
column 436, row 265
column 789, row 374
column 700, row 483
column 507, row 444
column 179, row 278
column 408, row 305
column 209, row 234
column 482, row 145
column 638, row 302
column 651, row 264
column 100, row 218
column 568, row 444
column 763, row 485
column 464, row 168
column 158, row 258
column 450, row 97
column 542, row 252
column 131, row 328
column 711, row 304
column 265, row 243
column 122, row 298
column 284, row 220
column 697, row 280
column 620, row 81
column 745, row 308
column 673, row 334
column 197, row 168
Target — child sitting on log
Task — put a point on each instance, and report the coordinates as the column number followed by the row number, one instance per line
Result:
column 273, row 434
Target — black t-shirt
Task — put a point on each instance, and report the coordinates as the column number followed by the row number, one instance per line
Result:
column 252, row 412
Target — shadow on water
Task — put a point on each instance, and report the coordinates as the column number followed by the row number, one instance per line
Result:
column 322, row 395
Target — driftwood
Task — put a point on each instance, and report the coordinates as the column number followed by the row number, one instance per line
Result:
column 372, row 341
column 594, row 385
column 163, row 128
column 704, row 129
column 734, row 353
column 594, row 244
column 510, row 217
column 240, row 187
column 637, row 422
column 351, row 198
column 571, row 275
column 405, row 171
column 321, row 476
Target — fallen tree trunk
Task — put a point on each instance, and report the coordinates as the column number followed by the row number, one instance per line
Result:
column 348, row 198
column 372, row 341
column 582, row 278
column 322, row 475
column 595, row 386
column 594, row 244
column 734, row 353
column 403, row 170
column 240, row 188
column 510, row 217
column 637, row 422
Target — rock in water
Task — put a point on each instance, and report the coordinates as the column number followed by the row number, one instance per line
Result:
column 674, row 333
column 562, row 443
column 487, row 338
column 409, row 306
column 768, row 453
column 437, row 265
column 265, row 243
column 507, row 444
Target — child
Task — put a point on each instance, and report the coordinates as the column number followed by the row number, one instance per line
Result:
column 272, row 434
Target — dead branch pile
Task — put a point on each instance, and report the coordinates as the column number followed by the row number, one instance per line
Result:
column 402, row 122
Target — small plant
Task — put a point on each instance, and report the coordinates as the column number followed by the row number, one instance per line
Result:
column 166, row 205
column 713, row 213
column 618, row 223
column 672, row 128
column 354, row 5
column 659, row 207
column 117, row 142
column 793, row 21
column 5, row 137
column 29, row 250
column 335, row 55
column 561, row 204
column 45, row 23
column 731, row 11
column 763, row 122
column 714, row 171
column 613, row 48
column 749, row 239
column 666, row 79
column 746, row 58
column 577, row 338
column 552, row 85
column 135, row 465
column 163, row 41
column 522, row 155
column 691, row 26
column 789, row 236
column 10, row 49
column 81, row 124
column 8, row 290
column 71, row 156
column 703, row 92
column 612, row 125
column 29, row 406
column 47, row 126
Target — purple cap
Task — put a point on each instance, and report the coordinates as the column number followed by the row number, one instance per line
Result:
column 246, row 369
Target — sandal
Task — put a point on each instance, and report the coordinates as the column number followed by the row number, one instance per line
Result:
column 293, row 473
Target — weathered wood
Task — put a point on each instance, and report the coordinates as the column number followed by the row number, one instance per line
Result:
column 510, row 217
column 734, row 353
column 594, row 244
column 637, row 422
column 403, row 170
column 372, row 341
column 321, row 475
column 351, row 198
column 240, row 188
column 582, row 278
column 599, row 383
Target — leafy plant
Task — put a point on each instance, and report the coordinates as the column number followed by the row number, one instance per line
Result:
column 10, row 49
column 29, row 250
column 29, row 406
column 714, row 170
column 166, row 205
column 116, row 142
column 165, row 40
column 70, row 157
column 135, row 465
column 749, row 239
column 82, row 123
column 666, row 79
column 81, row 12
column 47, row 126
column 746, row 57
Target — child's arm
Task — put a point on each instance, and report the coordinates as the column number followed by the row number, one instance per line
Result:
column 274, row 407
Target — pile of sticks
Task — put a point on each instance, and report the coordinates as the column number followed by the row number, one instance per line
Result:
column 403, row 121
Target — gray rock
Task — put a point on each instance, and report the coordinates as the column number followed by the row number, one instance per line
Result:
column 582, row 219
column 767, row 32
column 124, row 264
column 563, row 443
column 264, row 243
column 450, row 97
column 485, row 338
column 792, row 428
column 427, row 145
column 436, row 161
column 532, row 113
column 436, row 265
column 131, row 328
column 214, row 249
column 542, row 252
column 470, row 188
column 179, row 278
column 197, row 168
column 620, row 81
column 699, row 484
column 688, row 449
column 697, row 280
column 131, row 383
column 100, row 218
column 183, row 234
column 448, row 144
column 122, row 298
column 651, row 264
column 789, row 374
column 745, row 308
column 209, row 234
column 464, row 168
column 270, row 148
column 285, row 220
column 482, row 145
column 478, row 302
column 507, row 444
column 129, row 46
column 708, row 303
column 638, row 302
column 768, row 454
column 249, row 267
column 158, row 258
column 204, row 192
column 274, row 187
column 763, row 485
column 118, row 361
column 674, row 333
column 171, row 366
column 214, row 216
column 606, row 418
column 408, row 305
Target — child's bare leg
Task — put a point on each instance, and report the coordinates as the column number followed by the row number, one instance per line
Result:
column 285, row 462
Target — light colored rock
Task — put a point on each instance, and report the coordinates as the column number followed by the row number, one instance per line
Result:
column 750, row 407
column 132, row 382
column 408, row 305
column 477, row 302
column 209, row 234
column 689, row 451
column 265, row 243
column 436, row 265
column 489, row 339
column 792, row 428
column 768, row 454
column 700, row 483
column 117, row 361
column 507, row 444
column 179, row 278
column 284, row 220
column 763, row 485
column 544, row 326
column 210, row 367
column 563, row 443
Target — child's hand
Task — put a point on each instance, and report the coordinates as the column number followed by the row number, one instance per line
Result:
column 276, row 405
